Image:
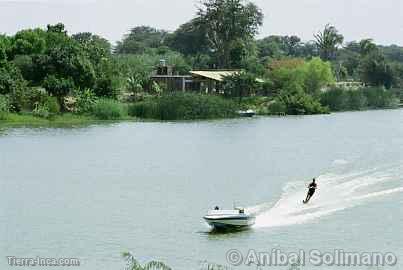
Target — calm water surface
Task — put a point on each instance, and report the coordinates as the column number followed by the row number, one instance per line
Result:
column 95, row 192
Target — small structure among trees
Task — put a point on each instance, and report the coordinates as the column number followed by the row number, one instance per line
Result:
column 169, row 79
column 202, row 81
column 211, row 81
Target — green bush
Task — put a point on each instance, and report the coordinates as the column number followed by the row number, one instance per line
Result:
column 33, row 96
column 240, row 85
column 302, row 104
column 4, row 107
column 85, row 100
column 108, row 109
column 257, row 103
column 184, row 106
column 338, row 99
column 379, row 97
column 179, row 106
column 277, row 107
column 41, row 111
column 58, row 87
column 53, row 105
column 145, row 109
column 357, row 100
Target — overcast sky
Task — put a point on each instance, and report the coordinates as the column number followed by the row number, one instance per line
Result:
column 355, row 19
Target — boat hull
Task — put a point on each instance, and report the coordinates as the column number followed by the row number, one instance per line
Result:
column 248, row 113
column 230, row 222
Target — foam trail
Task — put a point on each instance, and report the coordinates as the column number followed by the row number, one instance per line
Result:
column 340, row 162
column 335, row 193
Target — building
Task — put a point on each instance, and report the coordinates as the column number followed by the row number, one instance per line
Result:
column 201, row 81
column 168, row 78
column 210, row 81
column 204, row 81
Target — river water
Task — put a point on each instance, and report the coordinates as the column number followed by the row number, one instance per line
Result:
column 97, row 191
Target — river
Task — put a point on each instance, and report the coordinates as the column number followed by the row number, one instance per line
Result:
column 94, row 192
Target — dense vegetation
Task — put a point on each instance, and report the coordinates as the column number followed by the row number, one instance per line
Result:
column 47, row 72
column 184, row 106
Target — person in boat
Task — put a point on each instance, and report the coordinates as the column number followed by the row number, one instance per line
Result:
column 311, row 190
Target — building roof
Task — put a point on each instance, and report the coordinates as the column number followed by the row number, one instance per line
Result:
column 219, row 75
column 215, row 75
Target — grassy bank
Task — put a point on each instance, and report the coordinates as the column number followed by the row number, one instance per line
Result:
column 192, row 106
column 14, row 119
column 98, row 111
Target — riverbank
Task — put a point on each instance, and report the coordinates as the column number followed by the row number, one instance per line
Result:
column 68, row 119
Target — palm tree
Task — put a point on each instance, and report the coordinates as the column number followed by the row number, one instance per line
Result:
column 367, row 46
column 328, row 42
column 133, row 264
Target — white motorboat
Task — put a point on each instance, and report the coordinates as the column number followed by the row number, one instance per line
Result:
column 229, row 219
column 248, row 113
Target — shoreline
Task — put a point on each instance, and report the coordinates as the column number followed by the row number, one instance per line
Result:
column 22, row 120
column 65, row 120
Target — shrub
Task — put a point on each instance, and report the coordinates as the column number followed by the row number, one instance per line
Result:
column 34, row 96
column 379, row 98
column 357, row 100
column 108, row 109
column 302, row 104
column 240, row 85
column 11, row 79
column 277, row 107
column 106, row 87
column 179, row 106
column 184, row 106
column 58, row 87
column 85, row 100
column 337, row 99
column 4, row 107
column 145, row 109
column 41, row 111
column 12, row 84
column 53, row 105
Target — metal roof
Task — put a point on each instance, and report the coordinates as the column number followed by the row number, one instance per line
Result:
column 215, row 75
column 219, row 75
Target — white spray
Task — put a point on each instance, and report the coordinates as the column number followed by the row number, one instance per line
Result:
column 335, row 193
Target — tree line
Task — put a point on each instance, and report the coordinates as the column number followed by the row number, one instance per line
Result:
column 47, row 70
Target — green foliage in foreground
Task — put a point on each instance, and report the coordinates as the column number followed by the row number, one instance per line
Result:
column 133, row 264
column 108, row 109
column 184, row 106
column 4, row 107
column 338, row 99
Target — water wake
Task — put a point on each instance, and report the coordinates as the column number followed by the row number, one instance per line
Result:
column 335, row 193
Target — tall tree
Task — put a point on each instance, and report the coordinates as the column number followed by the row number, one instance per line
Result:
column 28, row 42
column 376, row 71
column 328, row 42
column 280, row 46
column 90, row 40
column 57, row 28
column 140, row 38
column 367, row 46
column 189, row 38
column 227, row 22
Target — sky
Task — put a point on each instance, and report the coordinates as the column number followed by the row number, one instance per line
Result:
column 355, row 19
